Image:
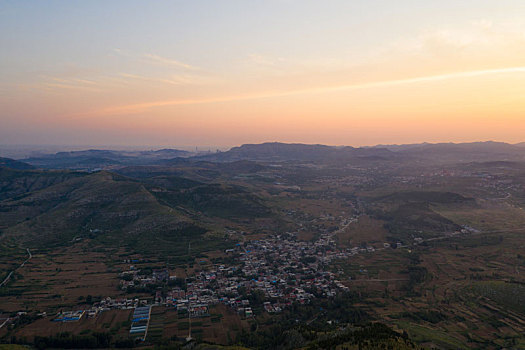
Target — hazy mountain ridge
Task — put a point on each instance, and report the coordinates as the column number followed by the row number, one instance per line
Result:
column 485, row 146
column 280, row 152
column 461, row 152
column 14, row 164
column 92, row 159
column 277, row 151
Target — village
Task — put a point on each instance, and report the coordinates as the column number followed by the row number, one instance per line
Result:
column 280, row 270
column 263, row 275
column 267, row 275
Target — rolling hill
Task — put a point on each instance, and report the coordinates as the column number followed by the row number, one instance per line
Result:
column 14, row 164
column 50, row 208
column 411, row 214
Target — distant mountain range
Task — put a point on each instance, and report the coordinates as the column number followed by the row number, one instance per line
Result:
column 462, row 152
column 440, row 152
column 465, row 146
column 93, row 159
column 278, row 152
column 172, row 195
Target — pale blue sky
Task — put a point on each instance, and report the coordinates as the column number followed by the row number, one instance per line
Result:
column 41, row 35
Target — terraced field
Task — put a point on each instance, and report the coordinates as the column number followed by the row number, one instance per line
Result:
column 156, row 324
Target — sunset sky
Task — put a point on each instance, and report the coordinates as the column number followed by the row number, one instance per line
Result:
column 223, row 73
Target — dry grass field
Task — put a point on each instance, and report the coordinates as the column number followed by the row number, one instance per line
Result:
column 221, row 327
column 366, row 229
column 116, row 322
column 470, row 297
column 60, row 279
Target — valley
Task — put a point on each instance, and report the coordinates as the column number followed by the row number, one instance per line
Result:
column 278, row 244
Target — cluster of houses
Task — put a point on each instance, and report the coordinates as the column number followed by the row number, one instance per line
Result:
column 282, row 269
column 70, row 316
column 134, row 278
column 105, row 304
column 121, row 303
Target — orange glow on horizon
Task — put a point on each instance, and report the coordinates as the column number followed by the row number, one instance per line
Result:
column 392, row 74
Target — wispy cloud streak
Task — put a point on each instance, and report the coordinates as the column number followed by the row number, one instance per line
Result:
column 168, row 61
column 155, row 59
column 140, row 107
